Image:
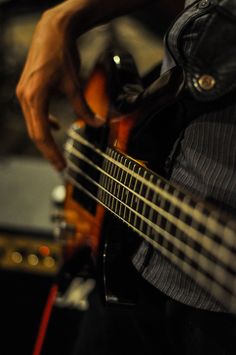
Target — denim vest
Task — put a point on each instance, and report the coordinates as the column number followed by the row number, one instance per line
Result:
column 203, row 41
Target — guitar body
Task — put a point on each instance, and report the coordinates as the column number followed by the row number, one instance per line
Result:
column 109, row 240
column 112, row 243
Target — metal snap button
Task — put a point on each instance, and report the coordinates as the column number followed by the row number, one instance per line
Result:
column 204, row 4
column 206, row 82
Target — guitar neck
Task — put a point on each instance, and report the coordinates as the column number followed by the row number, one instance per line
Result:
column 191, row 235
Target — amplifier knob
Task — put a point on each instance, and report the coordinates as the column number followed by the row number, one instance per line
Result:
column 49, row 262
column 58, row 195
column 33, row 260
column 16, row 257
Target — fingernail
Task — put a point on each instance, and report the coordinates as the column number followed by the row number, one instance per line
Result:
column 100, row 118
column 54, row 122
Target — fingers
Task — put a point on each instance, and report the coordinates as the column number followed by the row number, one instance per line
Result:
column 54, row 123
column 80, row 106
column 42, row 137
column 38, row 125
column 40, row 77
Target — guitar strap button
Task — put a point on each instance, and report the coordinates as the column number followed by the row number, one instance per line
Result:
column 206, row 82
column 204, row 4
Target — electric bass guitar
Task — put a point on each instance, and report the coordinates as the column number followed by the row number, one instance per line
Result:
column 110, row 193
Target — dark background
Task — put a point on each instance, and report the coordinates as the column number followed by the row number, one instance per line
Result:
column 23, row 296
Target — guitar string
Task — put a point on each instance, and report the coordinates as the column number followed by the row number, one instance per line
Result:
column 193, row 233
column 227, row 297
column 195, row 213
column 185, row 248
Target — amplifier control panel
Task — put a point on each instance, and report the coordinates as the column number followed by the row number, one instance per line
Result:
column 29, row 254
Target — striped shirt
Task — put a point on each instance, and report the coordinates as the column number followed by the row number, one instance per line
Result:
column 206, row 162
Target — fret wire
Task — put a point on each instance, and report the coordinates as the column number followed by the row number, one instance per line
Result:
column 218, row 272
column 178, row 231
column 203, row 279
column 132, row 194
column 137, row 203
column 160, row 218
column 105, row 183
column 213, row 224
column 150, row 217
column 133, row 202
column 188, row 230
column 205, row 241
column 127, row 199
column 113, row 182
column 124, row 195
column 111, row 185
column 121, row 179
column 143, row 207
column 105, row 180
column 116, row 173
column 109, row 168
column 170, row 238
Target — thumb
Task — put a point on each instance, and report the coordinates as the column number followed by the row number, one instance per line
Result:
column 74, row 94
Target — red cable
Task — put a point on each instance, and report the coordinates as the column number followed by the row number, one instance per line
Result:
column 45, row 320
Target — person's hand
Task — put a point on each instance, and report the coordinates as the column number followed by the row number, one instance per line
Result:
column 52, row 65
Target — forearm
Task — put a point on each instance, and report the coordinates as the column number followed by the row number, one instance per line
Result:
column 77, row 16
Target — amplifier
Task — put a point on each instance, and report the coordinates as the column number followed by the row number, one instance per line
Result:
column 28, row 253
column 27, row 242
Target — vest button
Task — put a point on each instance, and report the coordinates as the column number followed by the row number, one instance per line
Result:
column 204, row 4
column 206, row 82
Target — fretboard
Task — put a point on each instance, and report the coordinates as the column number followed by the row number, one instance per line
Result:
column 191, row 235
